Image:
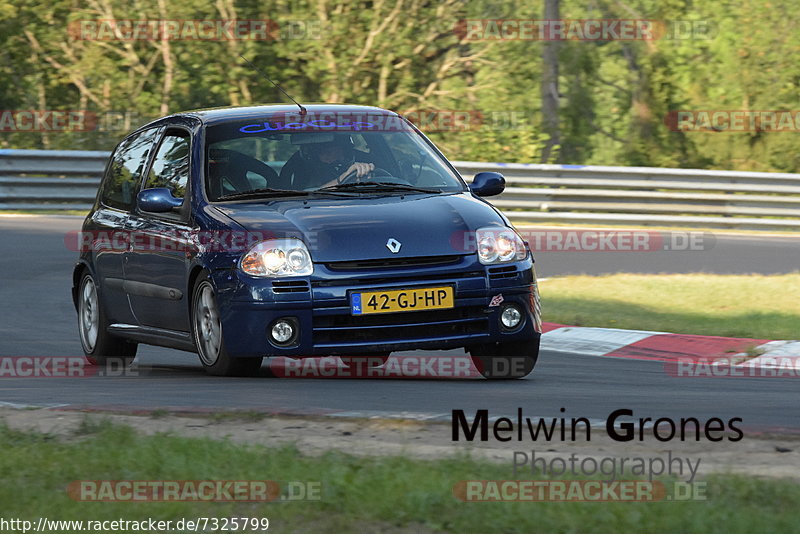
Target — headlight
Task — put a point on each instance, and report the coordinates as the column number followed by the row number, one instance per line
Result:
column 278, row 257
column 499, row 245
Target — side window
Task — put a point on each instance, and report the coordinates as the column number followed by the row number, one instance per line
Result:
column 170, row 167
column 125, row 171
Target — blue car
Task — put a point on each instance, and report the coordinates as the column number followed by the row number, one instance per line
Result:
column 251, row 232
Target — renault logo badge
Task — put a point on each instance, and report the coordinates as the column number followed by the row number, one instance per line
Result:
column 393, row 245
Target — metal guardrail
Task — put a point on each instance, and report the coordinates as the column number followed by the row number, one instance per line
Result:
column 49, row 179
column 43, row 179
column 646, row 195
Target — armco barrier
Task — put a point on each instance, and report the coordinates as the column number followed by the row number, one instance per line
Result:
column 60, row 179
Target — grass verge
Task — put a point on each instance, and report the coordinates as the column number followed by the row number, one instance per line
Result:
column 385, row 494
column 750, row 306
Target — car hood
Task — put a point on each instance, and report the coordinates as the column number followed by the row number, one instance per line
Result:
column 358, row 228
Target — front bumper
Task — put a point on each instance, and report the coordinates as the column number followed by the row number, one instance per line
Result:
column 319, row 303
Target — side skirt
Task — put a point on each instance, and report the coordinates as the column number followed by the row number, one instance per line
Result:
column 154, row 336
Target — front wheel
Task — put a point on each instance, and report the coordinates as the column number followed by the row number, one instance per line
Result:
column 208, row 336
column 100, row 347
column 506, row 360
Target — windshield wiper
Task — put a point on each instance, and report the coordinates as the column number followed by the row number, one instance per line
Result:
column 263, row 193
column 378, row 187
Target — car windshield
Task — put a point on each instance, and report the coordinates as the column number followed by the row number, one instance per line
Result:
column 274, row 156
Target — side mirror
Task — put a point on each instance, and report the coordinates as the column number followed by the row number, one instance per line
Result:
column 487, row 184
column 157, row 200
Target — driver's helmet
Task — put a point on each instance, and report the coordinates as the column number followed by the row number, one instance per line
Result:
column 312, row 145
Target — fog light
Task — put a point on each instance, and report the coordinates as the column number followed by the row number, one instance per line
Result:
column 511, row 317
column 282, row 331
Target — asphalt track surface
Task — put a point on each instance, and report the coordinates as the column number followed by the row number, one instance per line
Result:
column 38, row 319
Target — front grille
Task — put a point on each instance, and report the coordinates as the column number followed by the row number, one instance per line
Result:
column 399, row 327
column 419, row 261
column 353, row 281
column 289, row 286
column 496, row 273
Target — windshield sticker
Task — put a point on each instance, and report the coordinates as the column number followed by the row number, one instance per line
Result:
column 319, row 123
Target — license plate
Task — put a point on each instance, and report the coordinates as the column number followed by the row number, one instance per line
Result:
column 402, row 300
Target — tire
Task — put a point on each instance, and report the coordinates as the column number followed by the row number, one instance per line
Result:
column 498, row 361
column 99, row 347
column 208, row 336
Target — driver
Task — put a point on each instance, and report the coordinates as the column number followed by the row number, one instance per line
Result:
column 328, row 163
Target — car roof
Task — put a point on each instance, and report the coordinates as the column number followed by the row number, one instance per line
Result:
column 211, row 116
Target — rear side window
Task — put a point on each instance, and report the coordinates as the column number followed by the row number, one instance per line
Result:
column 125, row 172
column 170, row 167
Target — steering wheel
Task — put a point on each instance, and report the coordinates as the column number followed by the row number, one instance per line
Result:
column 377, row 172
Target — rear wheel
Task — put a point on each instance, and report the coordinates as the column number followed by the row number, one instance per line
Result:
column 208, row 336
column 100, row 347
column 506, row 360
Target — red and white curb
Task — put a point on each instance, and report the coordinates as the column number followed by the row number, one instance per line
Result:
column 667, row 347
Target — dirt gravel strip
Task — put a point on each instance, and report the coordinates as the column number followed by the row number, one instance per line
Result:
column 422, row 436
